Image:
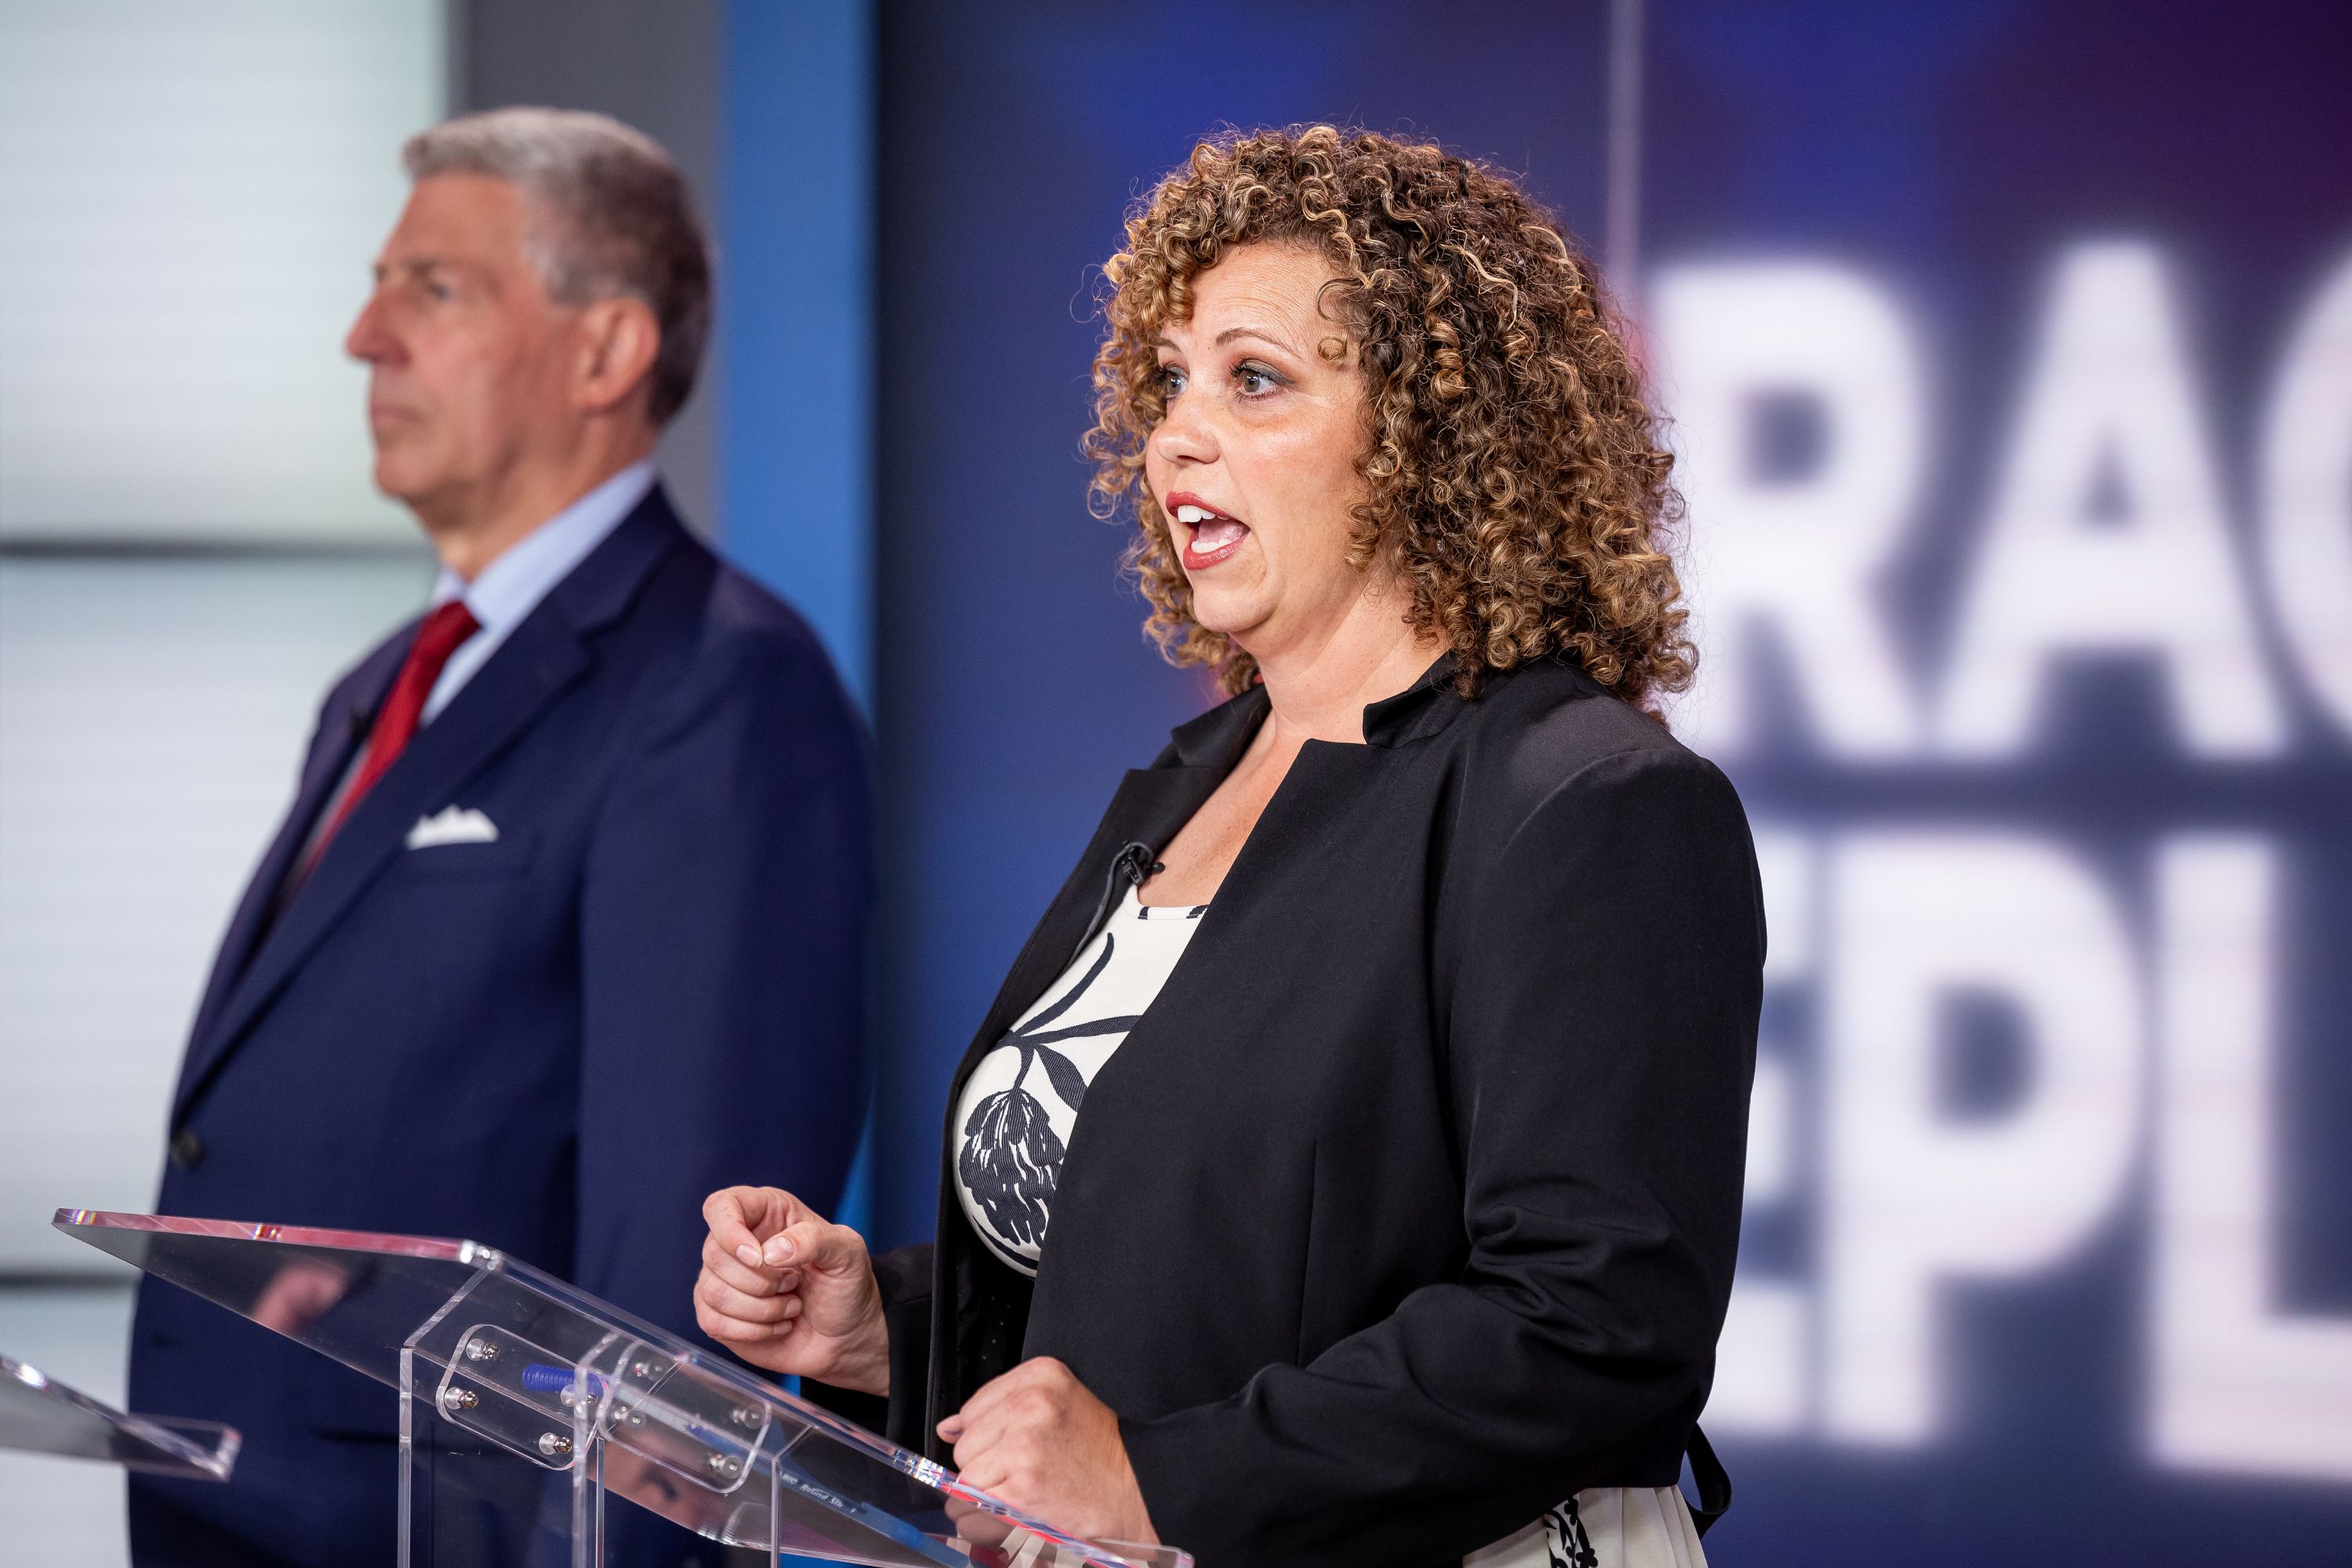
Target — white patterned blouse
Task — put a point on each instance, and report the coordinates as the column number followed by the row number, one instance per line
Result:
column 1020, row 1104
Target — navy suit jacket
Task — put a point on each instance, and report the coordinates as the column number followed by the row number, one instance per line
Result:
column 649, row 986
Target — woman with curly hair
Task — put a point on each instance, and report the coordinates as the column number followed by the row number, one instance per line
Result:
column 1348, row 1171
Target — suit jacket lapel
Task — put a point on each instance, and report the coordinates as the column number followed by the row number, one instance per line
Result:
column 343, row 723
column 543, row 657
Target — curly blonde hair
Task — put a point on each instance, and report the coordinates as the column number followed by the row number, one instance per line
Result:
column 1517, row 485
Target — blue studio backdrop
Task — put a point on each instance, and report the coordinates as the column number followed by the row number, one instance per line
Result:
column 2009, row 348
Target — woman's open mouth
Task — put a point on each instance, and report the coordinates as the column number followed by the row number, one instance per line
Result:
column 1210, row 535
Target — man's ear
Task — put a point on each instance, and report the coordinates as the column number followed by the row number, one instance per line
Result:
column 619, row 341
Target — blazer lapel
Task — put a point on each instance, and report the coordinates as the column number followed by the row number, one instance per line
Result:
column 544, row 657
column 343, row 724
column 1151, row 805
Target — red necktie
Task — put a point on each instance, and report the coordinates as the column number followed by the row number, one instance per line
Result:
column 442, row 632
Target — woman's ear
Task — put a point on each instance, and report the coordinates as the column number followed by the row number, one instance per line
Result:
column 619, row 342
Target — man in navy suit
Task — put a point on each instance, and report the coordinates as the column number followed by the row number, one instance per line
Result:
column 565, row 928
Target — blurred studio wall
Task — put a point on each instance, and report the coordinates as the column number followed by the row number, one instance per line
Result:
column 2009, row 348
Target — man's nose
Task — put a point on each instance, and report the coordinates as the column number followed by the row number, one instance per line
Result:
column 369, row 338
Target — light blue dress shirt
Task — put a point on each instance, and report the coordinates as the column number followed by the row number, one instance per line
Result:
column 510, row 587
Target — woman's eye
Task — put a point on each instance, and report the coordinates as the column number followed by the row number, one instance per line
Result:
column 1171, row 381
column 1255, row 381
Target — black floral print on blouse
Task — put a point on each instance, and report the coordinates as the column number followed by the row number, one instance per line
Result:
column 1564, row 1535
column 1011, row 1156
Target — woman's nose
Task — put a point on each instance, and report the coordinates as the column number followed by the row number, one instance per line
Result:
column 1184, row 437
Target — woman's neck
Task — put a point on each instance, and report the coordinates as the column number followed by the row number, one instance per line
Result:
column 1319, row 686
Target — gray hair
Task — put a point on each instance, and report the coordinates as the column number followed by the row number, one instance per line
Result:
column 612, row 218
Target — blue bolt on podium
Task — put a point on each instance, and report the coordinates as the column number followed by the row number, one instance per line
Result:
column 526, row 1405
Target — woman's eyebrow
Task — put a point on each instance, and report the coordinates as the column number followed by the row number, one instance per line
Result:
column 1260, row 333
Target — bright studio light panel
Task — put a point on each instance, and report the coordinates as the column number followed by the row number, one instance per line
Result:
column 193, row 197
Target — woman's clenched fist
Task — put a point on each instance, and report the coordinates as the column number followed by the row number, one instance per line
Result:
column 790, row 1292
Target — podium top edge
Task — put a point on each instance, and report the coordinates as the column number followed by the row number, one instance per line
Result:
column 438, row 1248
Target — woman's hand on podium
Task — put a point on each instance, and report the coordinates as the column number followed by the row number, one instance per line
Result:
column 1036, row 1438
column 790, row 1293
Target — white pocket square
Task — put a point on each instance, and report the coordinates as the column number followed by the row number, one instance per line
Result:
column 453, row 825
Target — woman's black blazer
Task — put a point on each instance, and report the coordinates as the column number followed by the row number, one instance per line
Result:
column 1410, row 1207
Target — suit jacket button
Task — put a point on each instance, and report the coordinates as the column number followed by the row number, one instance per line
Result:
column 187, row 1149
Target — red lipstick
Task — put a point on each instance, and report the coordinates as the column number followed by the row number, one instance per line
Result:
column 1210, row 535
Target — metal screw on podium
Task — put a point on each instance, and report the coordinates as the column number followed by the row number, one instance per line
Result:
column 746, row 1415
column 481, row 1350
column 727, row 1465
column 460, row 1398
column 641, row 1369
column 554, row 1443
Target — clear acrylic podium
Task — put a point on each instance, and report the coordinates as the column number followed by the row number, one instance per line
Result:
column 525, row 1404
column 41, row 1416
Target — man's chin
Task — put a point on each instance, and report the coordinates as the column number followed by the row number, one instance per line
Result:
column 402, row 477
